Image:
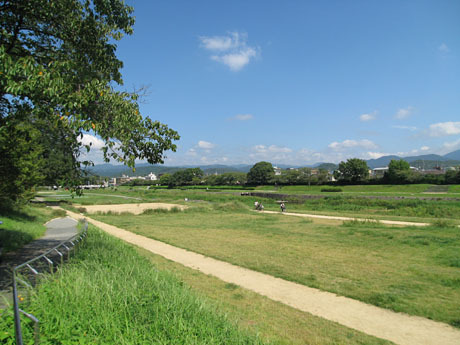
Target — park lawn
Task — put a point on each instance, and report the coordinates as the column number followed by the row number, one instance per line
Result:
column 272, row 320
column 413, row 270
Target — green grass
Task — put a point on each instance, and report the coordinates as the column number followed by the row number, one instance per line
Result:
column 401, row 189
column 413, row 270
column 338, row 203
column 381, row 207
column 454, row 189
column 388, row 190
column 109, row 294
column 24, row 225
column 272, row 320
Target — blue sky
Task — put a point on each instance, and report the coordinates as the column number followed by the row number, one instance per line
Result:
column 298, row 82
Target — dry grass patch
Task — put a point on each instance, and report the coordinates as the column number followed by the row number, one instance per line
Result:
column 132, row 208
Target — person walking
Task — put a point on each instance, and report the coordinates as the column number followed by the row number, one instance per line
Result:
column 283, row 207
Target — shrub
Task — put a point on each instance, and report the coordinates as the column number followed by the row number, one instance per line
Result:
column 331, row 190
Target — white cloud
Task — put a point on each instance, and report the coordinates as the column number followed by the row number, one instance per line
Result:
column 448, row 147
column 221, row 43
column 237, row 60
column 243, row 117
column 191, row 152
column 368, row 117
column 89, row 139
column 271, row 149
column 443, row 48
column 376, row 155
column 404, row 113
column 442, row 129
column 231, row 50
column 346, row 144
column 410, row 128
column 205, row 145
column 424, row 148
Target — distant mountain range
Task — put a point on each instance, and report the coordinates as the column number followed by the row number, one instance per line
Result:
column 142, row 169
column 452, row 158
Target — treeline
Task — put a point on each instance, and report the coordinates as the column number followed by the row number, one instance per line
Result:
column 353, row 171
column 356, row 171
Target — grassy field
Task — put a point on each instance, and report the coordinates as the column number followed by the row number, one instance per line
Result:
column 272, row 320
column 414, row 270
column 109, row 294
column 351, row 206
column 24, row 225
column 408, row 209
column 389, row 190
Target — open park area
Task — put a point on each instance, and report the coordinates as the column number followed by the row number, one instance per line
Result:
column 406, row 269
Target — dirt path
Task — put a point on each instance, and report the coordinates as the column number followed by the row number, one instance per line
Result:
column 389, row 222
column 397, row 327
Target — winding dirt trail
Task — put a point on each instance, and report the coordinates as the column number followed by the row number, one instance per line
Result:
column 400, row 328
column 389, row 222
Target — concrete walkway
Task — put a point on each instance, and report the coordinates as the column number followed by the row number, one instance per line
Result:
column 397, row 327
column 57, row 230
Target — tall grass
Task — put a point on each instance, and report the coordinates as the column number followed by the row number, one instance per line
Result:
column 109, row 294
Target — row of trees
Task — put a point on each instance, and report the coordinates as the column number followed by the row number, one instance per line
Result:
column 356, row 171
column 353, row 171
column 60, row 79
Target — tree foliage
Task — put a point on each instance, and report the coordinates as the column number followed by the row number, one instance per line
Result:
column 354, row 170
column 186, row 177
column 58, row 67
column 398, row 171
column 261, row 174
column 229, row 178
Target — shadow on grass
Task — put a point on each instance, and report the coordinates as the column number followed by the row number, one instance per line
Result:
column 13, row 239
column 16, row 215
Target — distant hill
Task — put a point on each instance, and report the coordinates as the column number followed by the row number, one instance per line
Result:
column 143, row 169
column 426, row 158
column 327, row 166
column 423, row 164
column 381, row 162
column 453, row 155
column 429, row 161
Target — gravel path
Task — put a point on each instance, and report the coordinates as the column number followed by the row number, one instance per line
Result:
column 400, row 328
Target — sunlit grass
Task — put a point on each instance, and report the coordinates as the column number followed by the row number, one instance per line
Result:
column 109, row 294
column 414, row 270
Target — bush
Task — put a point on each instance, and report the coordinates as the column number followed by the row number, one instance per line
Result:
column 331, row 190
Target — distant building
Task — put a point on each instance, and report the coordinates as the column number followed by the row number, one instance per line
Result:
column 277, row 171
column 152, row 177
column 379, row 172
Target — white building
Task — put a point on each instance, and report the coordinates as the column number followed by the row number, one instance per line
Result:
column 152, row 177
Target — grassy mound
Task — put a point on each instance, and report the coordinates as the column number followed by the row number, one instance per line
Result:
column 109, row 294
